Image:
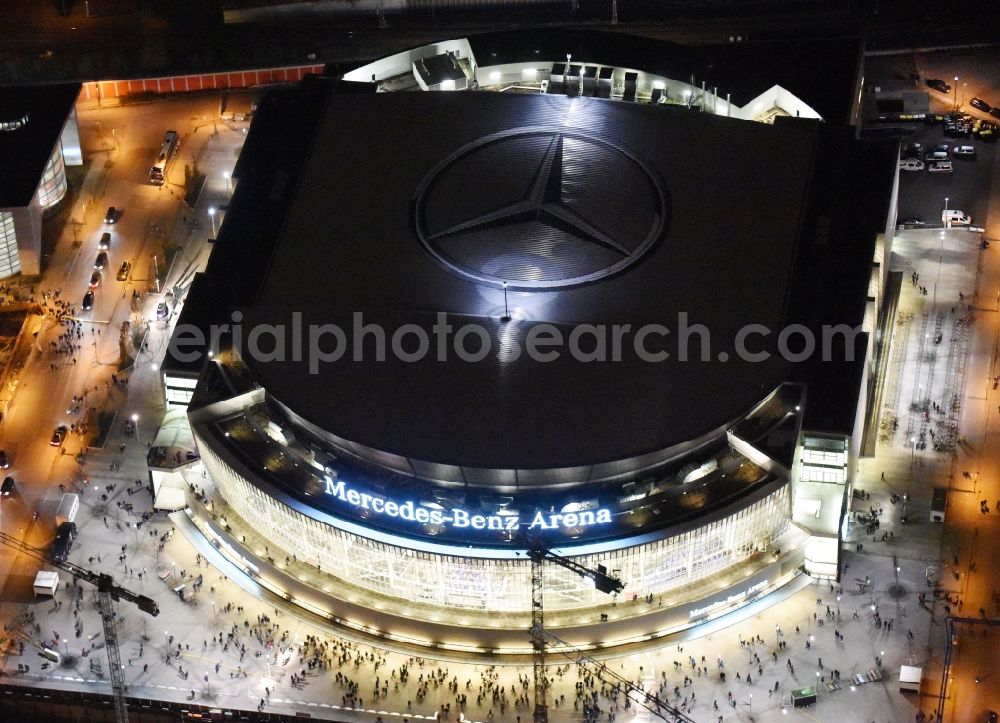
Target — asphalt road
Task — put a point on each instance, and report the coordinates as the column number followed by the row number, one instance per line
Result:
column 119, row 145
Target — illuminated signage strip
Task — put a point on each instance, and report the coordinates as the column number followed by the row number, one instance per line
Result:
column 457, row 518
column 730, row 600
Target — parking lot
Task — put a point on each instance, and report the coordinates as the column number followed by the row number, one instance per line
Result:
column 922, row 193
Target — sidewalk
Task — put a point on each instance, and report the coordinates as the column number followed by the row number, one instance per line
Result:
column 273, row 645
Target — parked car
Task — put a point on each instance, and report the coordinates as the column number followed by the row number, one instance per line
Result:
column 912, row 150
column 59, row 435
column 939, row 85
column 932, row 156
column 112, row 215
column 88, row 301
column 7, row 488
column 123, row 271
column 954, row 129
column 911, row 164
column 101, row 261
column 911, row 221
column 65, row 534
column 95, row 279
column 940, row 167
column 980, row 104
column 964, row 152
column 4, row 462
column 105, row 242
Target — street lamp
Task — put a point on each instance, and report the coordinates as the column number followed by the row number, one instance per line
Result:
column 135, row 424
column 211, row 214
column 947, row 221
column 506, row 309
column 229, row 185
column 956, row 92
column 777, row 634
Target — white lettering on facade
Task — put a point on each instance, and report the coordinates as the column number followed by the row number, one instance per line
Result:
column 730, row 600
column 459, row 518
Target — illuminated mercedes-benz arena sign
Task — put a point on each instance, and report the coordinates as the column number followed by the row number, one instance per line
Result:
column 459, row 518
column 420, row 483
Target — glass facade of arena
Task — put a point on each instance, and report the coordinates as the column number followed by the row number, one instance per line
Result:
column 52, row 187
column 10, row 261
column 498, row 584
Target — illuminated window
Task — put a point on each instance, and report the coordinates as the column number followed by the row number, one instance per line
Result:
column 10, row 261
column 457, row 582
column 53, row 184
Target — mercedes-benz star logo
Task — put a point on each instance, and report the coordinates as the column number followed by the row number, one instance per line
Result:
column 539, row 208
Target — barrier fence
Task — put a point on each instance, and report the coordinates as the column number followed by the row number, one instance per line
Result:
column 112, row 89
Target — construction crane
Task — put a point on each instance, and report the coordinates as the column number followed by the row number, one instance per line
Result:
column 539, row 639
column 602, row 581
column 107, row 593
column 600, row 670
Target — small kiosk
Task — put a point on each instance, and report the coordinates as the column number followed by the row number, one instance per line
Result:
column 801, row 697
column 909, row 678
column 46, row 582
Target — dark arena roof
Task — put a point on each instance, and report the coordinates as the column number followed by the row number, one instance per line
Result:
column 31, row 120
column 594, row 212
column 389, row 209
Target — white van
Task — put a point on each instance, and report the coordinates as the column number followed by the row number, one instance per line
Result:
column 955, row 217
column 911, row 164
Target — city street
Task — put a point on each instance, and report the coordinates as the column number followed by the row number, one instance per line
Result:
column 76, row 353
column 235, row 645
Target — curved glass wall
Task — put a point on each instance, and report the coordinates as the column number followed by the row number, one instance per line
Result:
column 498, row 584
column 53, row 184
column 10, row 261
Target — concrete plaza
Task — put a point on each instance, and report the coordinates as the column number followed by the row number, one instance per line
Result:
column 269, row 656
